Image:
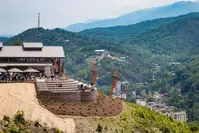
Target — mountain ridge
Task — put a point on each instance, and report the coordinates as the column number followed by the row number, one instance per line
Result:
column 120, row 32
column 175, row 9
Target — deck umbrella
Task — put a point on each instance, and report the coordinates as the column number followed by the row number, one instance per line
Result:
column 15, row 70
column 2, row 70
column 31, row 70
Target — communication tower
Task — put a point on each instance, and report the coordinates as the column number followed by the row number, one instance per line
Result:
column 38, row 20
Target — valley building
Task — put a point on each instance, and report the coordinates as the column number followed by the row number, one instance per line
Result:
column 46, row 59
column 180, row 116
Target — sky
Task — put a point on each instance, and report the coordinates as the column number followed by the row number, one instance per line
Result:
column 19, row 15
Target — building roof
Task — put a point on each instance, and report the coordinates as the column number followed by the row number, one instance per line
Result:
column 32, row 44
column 101, row 50
column 46, row 52
column 24, row 64
column 180, row 113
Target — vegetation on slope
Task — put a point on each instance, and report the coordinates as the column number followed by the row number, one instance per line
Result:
column 187, row 78
column 145, row 44
column 19, row 125
column 175, row 41
column 177, row 37
column 134, row 118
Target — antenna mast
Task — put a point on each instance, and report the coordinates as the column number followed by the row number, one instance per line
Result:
column 38, row 20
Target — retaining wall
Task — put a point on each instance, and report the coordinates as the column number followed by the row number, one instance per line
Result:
column 68, row 96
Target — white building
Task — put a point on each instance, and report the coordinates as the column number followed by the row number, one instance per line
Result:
column 166, row 110
column 180, row 116
column 141, row 102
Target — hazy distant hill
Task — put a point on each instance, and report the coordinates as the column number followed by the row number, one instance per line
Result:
column 175, row 9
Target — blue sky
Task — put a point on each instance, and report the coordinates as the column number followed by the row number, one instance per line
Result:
column 19, row 15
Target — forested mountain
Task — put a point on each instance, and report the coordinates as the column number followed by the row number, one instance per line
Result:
column 144, row 46
column 3, row 39
column 174, row 9
column 176, row 37
column 122, row 33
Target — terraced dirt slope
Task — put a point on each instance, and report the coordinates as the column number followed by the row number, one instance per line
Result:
column 104, row 106
column 22, row 96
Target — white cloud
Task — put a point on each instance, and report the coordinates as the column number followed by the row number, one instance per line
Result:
column 19, row 15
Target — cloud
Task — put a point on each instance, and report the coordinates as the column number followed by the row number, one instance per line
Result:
column 19, row 15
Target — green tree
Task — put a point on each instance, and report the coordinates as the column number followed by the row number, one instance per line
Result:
column 19, row 117
column 150, row 99
column 99, row 128
column 18, row 43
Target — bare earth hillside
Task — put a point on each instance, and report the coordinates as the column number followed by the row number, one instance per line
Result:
column 22, row 96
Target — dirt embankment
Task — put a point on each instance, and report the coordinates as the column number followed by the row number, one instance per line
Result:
column 104, row 106
column 22, row 96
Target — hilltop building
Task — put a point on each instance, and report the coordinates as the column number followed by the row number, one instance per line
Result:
column 34, row 55
column 48, row 76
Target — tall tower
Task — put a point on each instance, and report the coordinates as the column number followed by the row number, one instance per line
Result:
column 38, row 20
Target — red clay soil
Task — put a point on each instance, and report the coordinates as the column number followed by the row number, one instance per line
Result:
column 104, row 106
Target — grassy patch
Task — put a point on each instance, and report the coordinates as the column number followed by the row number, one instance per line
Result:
column 134, row 118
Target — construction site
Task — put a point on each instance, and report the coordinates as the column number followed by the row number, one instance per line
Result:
column 33, row 79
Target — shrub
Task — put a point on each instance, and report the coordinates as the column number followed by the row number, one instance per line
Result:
column 13, row 129
column 36, row 124
column 26, row 131
column 100, row 94
column 165, row 130
column 19, row 117
column 106, row 128
column 56, row 130
column 6, row 118
column 193, row 127
column 99, row 128
column 45, row 128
